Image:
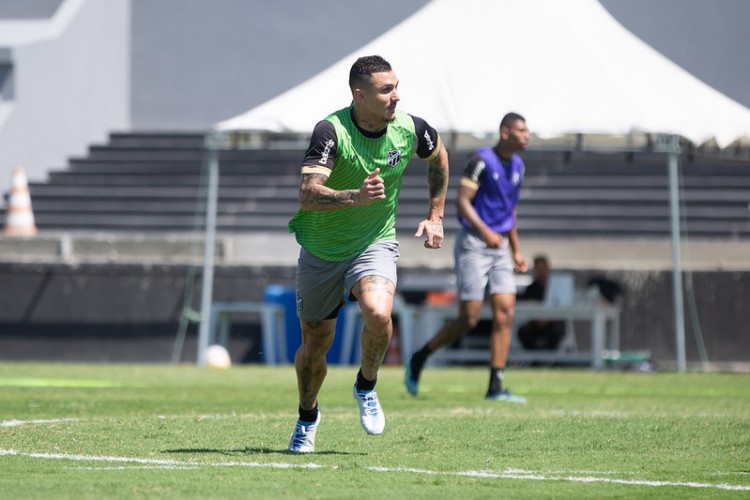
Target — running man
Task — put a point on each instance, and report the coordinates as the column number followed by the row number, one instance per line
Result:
column 351, row 179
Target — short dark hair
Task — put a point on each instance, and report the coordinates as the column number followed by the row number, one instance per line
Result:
column 509, row 119
column 541, row 258
column 364, row 67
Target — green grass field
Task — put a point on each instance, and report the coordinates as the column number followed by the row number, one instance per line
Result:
column 152, row 431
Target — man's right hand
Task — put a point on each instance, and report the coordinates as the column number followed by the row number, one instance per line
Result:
column 373, row 188
column 493, row 239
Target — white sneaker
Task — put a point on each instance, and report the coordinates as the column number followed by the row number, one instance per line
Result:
column 370, row 412
column 303, row 438
column 505, row 396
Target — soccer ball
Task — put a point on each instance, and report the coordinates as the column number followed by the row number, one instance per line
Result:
column 218, row 358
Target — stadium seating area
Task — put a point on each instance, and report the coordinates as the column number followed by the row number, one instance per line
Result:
column 150, row 182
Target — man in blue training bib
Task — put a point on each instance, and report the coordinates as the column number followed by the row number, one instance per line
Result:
column 487, row 252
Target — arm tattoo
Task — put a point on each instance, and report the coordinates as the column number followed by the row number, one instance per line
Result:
column 314, row 195
column 435, row 180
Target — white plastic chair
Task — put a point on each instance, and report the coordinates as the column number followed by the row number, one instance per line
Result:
column 561, row 291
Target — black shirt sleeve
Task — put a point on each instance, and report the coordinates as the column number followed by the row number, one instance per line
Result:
column 323, row 145
column 474, row 168
column 427, row 138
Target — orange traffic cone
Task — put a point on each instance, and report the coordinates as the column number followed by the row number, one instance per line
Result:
column 19, row 217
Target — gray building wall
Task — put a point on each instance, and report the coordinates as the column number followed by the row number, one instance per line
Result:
column 70, row 84
column 196, row 62
column 28, row 9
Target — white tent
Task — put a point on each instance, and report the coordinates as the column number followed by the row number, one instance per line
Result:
column 567, row 66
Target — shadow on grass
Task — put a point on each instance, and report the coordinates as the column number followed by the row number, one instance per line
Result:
column 254, row 451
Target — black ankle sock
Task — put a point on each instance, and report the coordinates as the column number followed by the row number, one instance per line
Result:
column 308, row 415
column 421, row 355
column 496, row 380
column 363, row 384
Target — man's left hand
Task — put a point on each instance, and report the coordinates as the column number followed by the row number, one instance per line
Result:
column 433, row 230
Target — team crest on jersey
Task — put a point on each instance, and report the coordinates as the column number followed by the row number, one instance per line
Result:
column 516, row 178
column 394, row 157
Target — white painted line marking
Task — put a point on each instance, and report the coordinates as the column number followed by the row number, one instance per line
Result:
column 508, row 474
column 157, row 461
column 15, row 423
column 133, row 467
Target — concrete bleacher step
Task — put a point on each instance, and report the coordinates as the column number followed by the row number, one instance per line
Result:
column 178, row 166
column 250, row 179
column 173, row 167
column 632, row 181
column 614, row 212
column 630, row 196
column 161, row 222
column 588, row 226
column 106, row 153
column 591, row 227
column 165, row 206
column 160, row 139
column 603, row 211
column 160, row 192
column 635, row 163
column 78, row 165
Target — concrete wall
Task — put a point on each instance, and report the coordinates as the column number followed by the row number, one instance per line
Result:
column 25, row 9
column 132, row 311
column 103, row 297
column 197, row 62
column 71, row 87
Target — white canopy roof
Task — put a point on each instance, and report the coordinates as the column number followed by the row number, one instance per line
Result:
column 567, row 66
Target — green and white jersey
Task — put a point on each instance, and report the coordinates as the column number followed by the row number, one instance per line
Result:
column 339, row 148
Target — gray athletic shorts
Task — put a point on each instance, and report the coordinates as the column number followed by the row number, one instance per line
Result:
column 477, row 266
column 324, row 286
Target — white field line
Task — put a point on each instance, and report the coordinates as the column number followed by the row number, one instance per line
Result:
column 135, row 467
column 15, row 423
column 507, row 474
column 157, row 461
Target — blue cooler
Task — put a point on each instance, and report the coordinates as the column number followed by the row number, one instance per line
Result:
column 286, row 296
